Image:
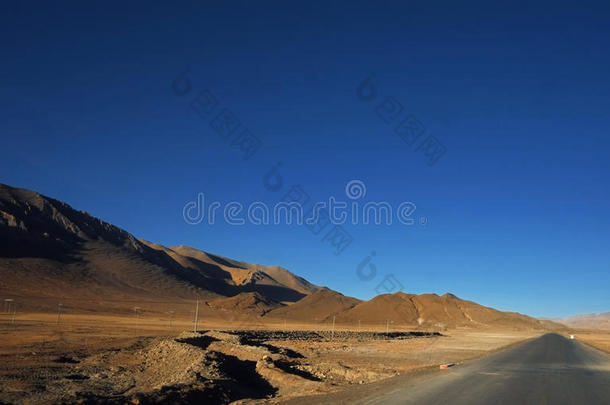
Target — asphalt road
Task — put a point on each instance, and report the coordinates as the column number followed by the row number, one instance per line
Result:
column 548, row 370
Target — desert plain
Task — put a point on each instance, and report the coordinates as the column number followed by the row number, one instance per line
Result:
column 146, row 359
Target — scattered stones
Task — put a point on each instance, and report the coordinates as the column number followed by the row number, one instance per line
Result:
column 210, row 367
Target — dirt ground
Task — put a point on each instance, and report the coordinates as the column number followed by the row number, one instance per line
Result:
column 596, row 338
column 114, row 359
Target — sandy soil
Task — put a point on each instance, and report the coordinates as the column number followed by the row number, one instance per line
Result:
column 98, row 358
column 599, row 339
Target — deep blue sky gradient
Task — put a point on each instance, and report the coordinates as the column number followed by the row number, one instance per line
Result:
column 519, row 94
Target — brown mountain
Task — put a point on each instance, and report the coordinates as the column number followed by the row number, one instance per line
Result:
column 316, row 307
column 588, row 321
column 49, row 250
column 51, row 253
column 436, row 311
column 256, row 277
column 250, row 302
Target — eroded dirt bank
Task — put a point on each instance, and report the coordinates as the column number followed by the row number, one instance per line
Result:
column 215, row 367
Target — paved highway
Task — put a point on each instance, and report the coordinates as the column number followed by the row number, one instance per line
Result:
column 548, row 370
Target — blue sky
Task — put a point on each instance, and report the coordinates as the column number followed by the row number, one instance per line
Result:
column 516, row 209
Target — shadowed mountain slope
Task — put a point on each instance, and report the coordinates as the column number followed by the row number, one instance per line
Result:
column 250, row 302
column 50, row 249
column 50, row 252
column 316, row 307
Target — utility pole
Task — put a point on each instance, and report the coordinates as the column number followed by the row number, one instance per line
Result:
column 59, row 312
column 387, row 327
column 137, row 313
column 8, row 303
column 333, row 332
column 171, row 317
column 196, row 316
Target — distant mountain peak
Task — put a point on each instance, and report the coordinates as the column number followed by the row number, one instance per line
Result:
column 588, row 321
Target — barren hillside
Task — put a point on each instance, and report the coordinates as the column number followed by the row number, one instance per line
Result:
column 316, row 307
column 431, row 310
column 50, row 251
column 588, row 321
